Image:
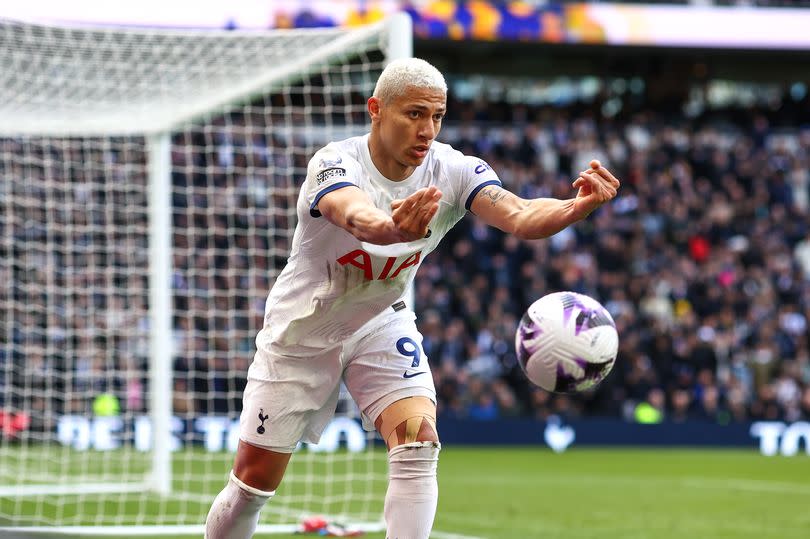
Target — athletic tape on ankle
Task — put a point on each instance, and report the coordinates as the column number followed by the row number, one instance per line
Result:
column 247, row 488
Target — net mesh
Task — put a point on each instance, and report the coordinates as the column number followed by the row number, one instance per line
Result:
column 245, row 113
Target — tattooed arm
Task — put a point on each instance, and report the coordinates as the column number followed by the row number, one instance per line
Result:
column 544, row 217
column 527, row 219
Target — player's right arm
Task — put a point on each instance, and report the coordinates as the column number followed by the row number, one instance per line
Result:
column 352, row 209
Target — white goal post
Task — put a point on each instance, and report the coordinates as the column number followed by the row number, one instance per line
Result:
column 148, row 181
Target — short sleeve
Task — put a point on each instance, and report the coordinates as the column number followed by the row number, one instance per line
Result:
column 328, row 170
column 475, row 174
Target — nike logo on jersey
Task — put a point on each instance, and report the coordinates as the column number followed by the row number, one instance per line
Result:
column 411, row 375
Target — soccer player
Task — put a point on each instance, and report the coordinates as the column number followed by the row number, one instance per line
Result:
column 371, row 208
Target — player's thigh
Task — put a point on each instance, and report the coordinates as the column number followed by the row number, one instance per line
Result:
column 388, row 366
column 289, row 399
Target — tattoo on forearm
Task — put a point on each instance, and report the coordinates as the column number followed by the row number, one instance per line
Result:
column 493, row 194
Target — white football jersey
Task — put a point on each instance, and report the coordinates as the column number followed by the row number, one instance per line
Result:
column 333, row 283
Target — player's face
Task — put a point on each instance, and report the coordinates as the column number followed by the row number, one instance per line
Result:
column 408, row 125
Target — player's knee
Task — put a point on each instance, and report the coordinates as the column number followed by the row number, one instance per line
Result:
column 261, row 468
column 408, row 421
column 249, row 491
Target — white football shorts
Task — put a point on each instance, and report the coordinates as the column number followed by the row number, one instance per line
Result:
column 289, row 398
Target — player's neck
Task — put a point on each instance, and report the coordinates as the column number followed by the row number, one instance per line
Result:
column 386, row 165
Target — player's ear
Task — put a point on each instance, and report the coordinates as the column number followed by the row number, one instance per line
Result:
column 374, row 105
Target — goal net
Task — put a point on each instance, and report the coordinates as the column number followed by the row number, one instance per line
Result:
column 148, row 182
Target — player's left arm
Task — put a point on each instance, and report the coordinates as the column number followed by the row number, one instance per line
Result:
column 543, row 217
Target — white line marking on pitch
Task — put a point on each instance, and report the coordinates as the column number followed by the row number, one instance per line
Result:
column 444, row 535
column 722, row 483
column 751, row 485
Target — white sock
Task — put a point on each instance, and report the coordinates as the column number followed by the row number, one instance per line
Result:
column 413, row 492
column 235, row 511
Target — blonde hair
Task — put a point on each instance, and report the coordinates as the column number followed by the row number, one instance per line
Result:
column 406, row 73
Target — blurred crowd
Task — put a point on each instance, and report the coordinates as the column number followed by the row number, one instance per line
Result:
column 703, row 261
column 524, row 20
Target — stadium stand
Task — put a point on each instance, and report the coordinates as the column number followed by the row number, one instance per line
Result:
column 704, row 262
column 710, row 299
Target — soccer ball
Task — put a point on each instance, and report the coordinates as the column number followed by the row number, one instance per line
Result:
column 566, row 342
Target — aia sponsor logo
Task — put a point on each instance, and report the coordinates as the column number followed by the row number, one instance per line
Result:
column 361, row 259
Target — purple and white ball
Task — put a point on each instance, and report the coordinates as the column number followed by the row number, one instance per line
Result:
column 566, row 342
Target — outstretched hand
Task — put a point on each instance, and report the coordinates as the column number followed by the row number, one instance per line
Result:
column 412, row 215
column 595, row 187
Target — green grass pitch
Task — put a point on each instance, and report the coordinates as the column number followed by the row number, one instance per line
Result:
column 600, row 493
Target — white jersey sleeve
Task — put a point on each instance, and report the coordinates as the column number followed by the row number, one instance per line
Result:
column 475, row 174
column 462, row 176
column 328, row 170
